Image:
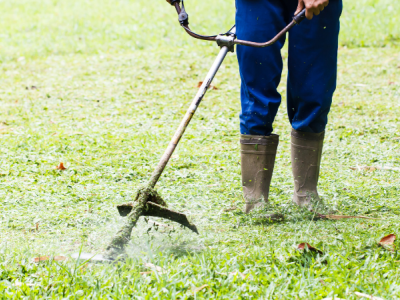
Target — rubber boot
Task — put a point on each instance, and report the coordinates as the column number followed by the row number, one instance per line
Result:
column 306, row 161
column 258, row 159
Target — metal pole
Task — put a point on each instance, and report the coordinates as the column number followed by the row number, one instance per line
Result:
column 188, row 116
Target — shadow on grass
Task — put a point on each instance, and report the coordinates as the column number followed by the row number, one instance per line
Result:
column 288, row 212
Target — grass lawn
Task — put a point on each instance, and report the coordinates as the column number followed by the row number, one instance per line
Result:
column 102, row 85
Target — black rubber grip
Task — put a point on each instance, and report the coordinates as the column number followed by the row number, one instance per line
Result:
column 183, row 17
column 300, row 16
column 172, row 2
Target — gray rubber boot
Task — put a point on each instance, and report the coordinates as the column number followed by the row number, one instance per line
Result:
column 258, row 159
column 306, row 161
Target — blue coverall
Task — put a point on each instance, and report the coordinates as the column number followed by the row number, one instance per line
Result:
column 312, row 63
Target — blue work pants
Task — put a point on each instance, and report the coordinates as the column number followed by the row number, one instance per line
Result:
column 312, row 64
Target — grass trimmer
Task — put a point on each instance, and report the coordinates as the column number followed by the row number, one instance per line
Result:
column 147, row 201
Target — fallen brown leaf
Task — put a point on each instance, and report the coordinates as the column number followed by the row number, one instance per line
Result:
column 230, row 208
column 238, row 273
column 198, row 289
column 363, row 168
column 146, row 273
column 339, row 217
column 61, row 166
column 40, row 258
column 44, row 258
column 367, row 296
column 388, row 240
column 59, row 258
column 37, row 226
column 373, row 168
column 213, row 87
column 302, row 246
column 154, row 267
column 211, row 185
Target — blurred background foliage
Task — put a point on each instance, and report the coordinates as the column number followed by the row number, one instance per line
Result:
column 38, row 28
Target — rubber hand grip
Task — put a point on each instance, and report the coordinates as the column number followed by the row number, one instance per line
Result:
column 300, row 16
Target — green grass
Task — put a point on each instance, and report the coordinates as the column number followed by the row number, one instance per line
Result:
column 39, row 28
column 107, row 104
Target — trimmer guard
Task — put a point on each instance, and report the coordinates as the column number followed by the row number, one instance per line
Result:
column 155, row 210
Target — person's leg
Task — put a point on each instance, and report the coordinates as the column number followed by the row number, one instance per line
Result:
column 260, row 68
column 260, row 72
column 313, row 49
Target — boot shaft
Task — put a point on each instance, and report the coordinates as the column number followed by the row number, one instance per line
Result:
column 306, row 152
column 257, row 162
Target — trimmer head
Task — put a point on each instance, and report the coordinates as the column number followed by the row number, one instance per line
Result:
column 155, row 210
column 148, row 203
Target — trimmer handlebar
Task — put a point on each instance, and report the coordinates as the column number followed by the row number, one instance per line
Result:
column 229, row 38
